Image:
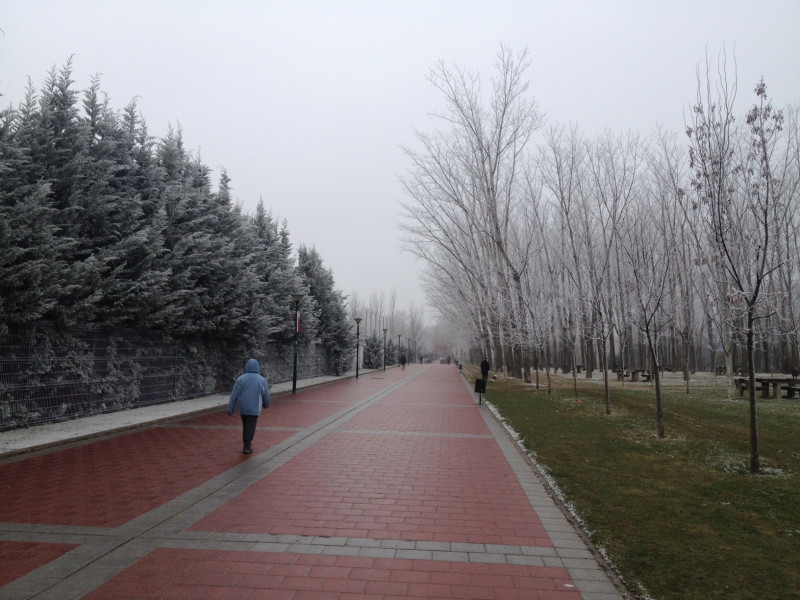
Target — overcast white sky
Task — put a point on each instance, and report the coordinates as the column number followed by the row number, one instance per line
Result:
column 307, row 103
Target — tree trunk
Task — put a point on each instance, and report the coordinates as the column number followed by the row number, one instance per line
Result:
column 657, row 382
column 612, row 351
column 606, row 385
column 755, row 461
column 686, row 368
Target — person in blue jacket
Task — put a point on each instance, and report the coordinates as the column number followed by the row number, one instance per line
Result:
column 251, row 393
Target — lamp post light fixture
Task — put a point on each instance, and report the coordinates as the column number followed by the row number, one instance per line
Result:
column 297, row 296
column 384, row 347
column 358, row 331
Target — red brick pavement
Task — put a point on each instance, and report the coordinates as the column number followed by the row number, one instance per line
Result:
column 417, row 465
column 216, row 575
column 19, row 558
column 389, row 487
column 86, row 486
column 383, row 486
column 291, row 413
column 109, row 482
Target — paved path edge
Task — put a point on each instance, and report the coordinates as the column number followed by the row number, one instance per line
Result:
column 558, row 499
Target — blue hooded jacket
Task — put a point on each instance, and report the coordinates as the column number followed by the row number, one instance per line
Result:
column 251, row 391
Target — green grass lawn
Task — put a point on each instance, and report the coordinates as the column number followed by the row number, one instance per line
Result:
column 680, row 517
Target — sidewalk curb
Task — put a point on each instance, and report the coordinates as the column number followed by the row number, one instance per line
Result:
column 556, row 496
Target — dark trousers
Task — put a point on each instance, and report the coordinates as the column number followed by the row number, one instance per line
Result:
column 248, row 430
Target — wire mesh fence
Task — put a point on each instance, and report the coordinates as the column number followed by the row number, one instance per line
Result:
column 48, row 376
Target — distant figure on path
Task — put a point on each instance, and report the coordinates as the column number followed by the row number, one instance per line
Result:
column 251, row 393
column 485, row 367
column 403, row 360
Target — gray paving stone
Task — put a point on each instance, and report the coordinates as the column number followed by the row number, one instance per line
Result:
column 580, row 563
column 441, row 546
column 615, row 595
column 467, row 547
column 341, row 550
column 575, row 553
column 503, row 549
column 598, row 587
column 530, row 561
column 270, row 547
column 588, row 575
column 415, row 554
column 552, row 561
column 571, row 541
column 450, row 556
column 309, row 548
column 398, row 544
column 363, row 542
column 538, row 551
column 372, row 552
column 235, row 546
column 486, row 557
column 330, row 541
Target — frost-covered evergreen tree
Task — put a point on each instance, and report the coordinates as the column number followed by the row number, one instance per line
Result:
column 391, row 353
column 30, row 270
column 327, row 307
column 104, row 226
column 273, row 306
column 372, row 357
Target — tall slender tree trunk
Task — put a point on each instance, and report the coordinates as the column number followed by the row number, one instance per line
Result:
column 606, row 385
column 755, row 461
column 657, row 383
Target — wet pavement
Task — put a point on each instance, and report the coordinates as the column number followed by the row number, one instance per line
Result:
column 393, row 485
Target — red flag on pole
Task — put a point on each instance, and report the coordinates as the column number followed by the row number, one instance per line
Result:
column 298, row 322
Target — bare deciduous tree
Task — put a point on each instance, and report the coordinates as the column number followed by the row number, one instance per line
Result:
column 735, row 184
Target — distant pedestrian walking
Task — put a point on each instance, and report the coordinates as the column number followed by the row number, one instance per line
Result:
column 485, row 368
column 251, row 393
column 403, row 360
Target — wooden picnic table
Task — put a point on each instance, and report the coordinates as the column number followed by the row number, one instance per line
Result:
column 643, row 373
column 764, row 384
column 776, row 383
column 791, row 390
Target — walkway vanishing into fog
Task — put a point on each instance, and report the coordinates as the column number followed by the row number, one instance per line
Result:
column 393, row 485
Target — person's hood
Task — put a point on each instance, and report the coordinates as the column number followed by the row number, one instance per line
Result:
column 252, row 366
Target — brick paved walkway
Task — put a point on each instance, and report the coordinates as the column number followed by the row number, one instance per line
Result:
column 394, row 485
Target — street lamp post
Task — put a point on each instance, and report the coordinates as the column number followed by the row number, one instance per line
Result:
column 297, row 296
column 358, row 331
column 398, row 348
column 384, row 347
